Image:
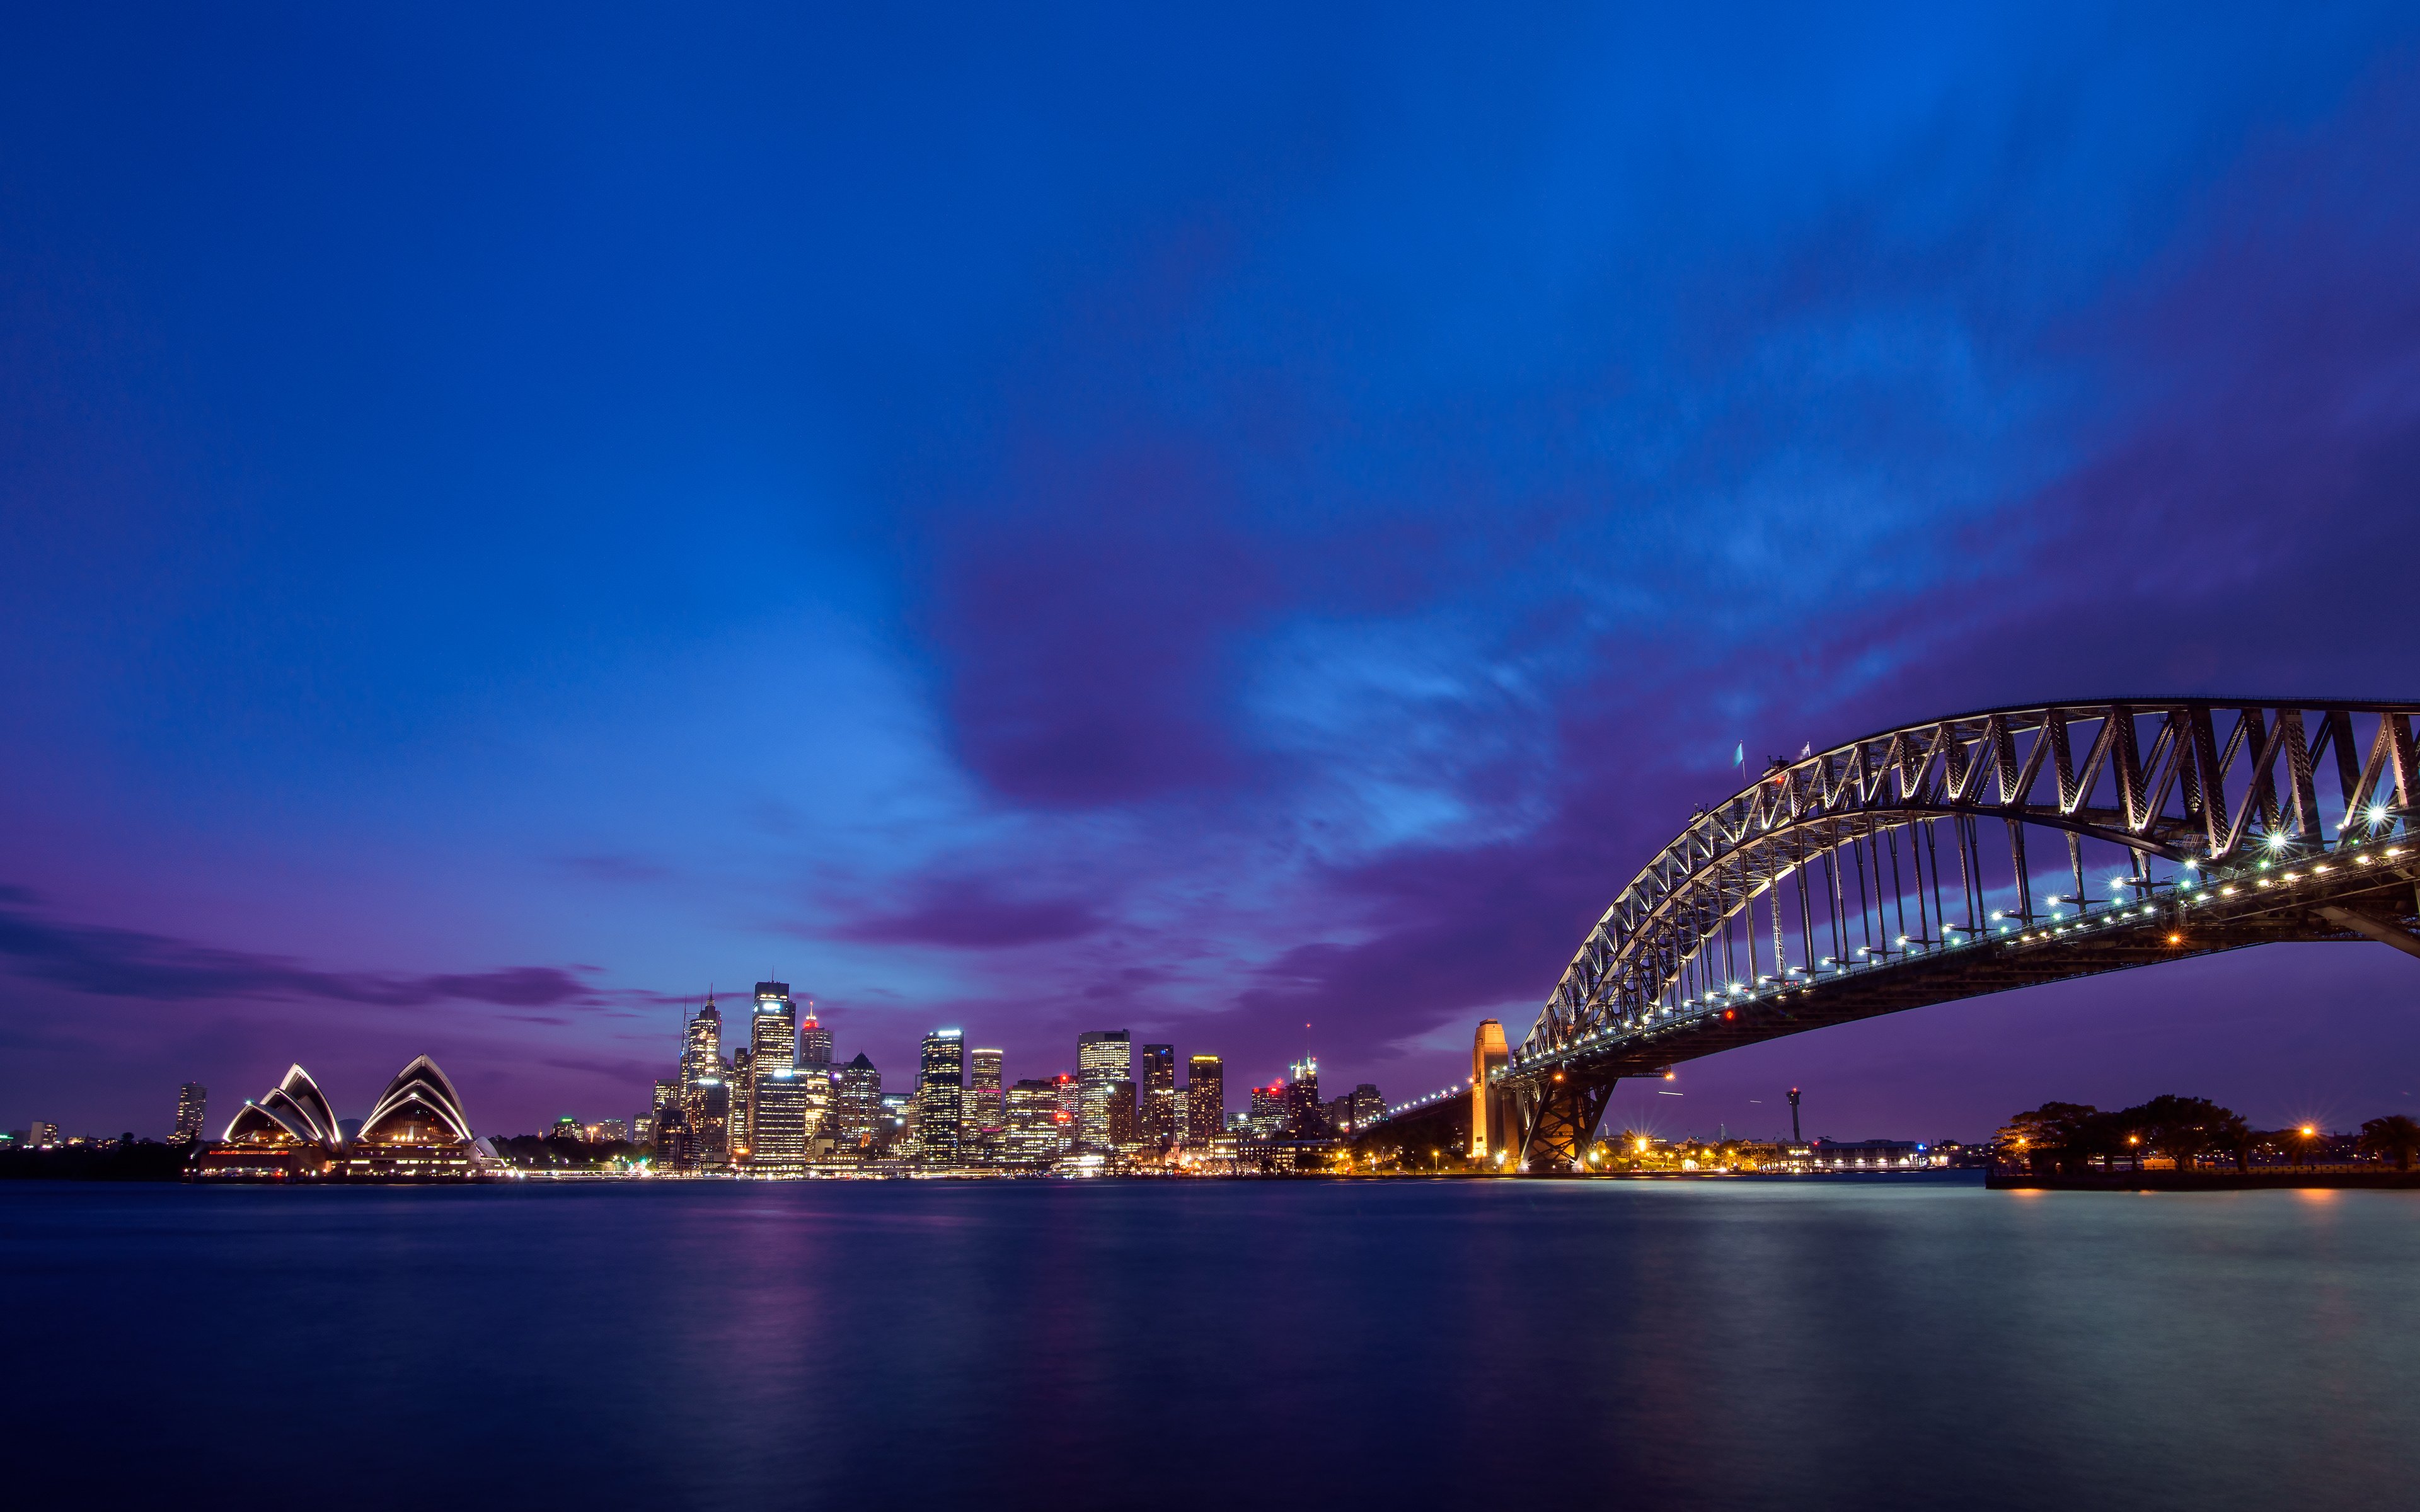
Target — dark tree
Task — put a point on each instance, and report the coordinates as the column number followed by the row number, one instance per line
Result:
column 2396, row 1135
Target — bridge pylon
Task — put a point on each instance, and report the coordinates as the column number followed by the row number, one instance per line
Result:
column 1558, row 1116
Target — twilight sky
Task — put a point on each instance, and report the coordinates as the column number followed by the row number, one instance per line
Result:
column 1248, row 527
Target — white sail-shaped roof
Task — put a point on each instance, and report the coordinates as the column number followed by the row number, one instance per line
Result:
column 419, row 1086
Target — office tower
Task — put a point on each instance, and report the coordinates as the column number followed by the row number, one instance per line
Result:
column 568, row 1128
column 643, row 1133
column 1071, row 1104
column 815, row 1041
column 858, row 1107
column 987, row 1110
column 1305, row 1119
column 608, row 1132
column 709, row 1122
column 1156, row 1124
column 675, row 1142
column 741, row 1077
column 785, row 1100
column 773, row 1048
column 701, row 1049
column 667, row 1093
column 193, row 1100
column 1367, row 1107
column 1267, row 1118
column 1205, row 1099
column 1104, row 1059
column 940, row 1096
column 897, row 1112
column 1124, row 1137
column 1035, row 1134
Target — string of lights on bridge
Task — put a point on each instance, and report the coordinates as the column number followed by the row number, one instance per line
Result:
column 2201, row 884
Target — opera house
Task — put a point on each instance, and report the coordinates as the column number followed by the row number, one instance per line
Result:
column 415, row 1132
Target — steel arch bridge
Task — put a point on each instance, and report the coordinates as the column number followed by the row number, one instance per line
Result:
column 1900, row 869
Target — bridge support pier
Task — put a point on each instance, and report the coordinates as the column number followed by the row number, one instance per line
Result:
column 1558, row 1119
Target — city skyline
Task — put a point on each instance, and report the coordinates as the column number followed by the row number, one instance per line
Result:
column 1252, row 537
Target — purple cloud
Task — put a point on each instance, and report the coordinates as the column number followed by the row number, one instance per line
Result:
column 118, row 963
column 973, row 914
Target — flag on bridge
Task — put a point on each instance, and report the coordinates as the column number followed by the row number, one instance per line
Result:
column 1739, row 757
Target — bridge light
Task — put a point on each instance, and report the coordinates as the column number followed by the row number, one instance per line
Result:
column 2277, row 841
column 2175, row 939
column 2377, row 813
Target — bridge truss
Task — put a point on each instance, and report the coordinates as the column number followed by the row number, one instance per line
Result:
column 1907, row 868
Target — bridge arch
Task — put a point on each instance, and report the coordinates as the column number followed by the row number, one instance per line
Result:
column 1904, row 868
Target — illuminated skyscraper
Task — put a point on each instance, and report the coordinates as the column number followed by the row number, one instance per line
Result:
column 784, row 1109
column 1038, row 1132
column 1155, row 1121
column 702, row 1046
column 709, row 1122
column 986, row 1112
column 815, row 1041
column 742, row 1089
column 706, row 1089
column 1104, row 1062
column 193, row 1102
column 1124, row 1136
column 1305, row 1119
column 773, row 1045
column 857, row 1111
column 1205, row 1099
column 940, row 1096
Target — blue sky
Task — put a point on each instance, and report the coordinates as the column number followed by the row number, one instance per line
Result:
column 1240, row 525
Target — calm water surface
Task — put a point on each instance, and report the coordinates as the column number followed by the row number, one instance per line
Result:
column 1163, row 1345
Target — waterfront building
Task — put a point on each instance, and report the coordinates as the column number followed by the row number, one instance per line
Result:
column 857, row 1104
column 708, row 1116
column 894, row 1127
column 1155, row 1120
column 940, row 1096
column 1267, row 1119
column 987, row 1108
column 1103, row 1062
column 741, row 1075
column 1038, row 1129
column 192, row 1103
column 416, row 1130
column 787, row 1109
column 773, row 1048
column 1205, row 1099
column 1125, row 1137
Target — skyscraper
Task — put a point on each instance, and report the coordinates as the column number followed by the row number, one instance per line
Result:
column 784, row 1108
column 773, row 1046
column 1155, row 1121
column 701, row 1048
column 986, row 1112
column 1037, row 1130
column 192, row 1103
column 742, row 1086
column 1103, row 1062
column 858, row 1111
column 815, row 1041
column 1305, row 1119
column 941, row 1095
column 1205, row 1099
column 1124, row 1136
column 1367, row 1107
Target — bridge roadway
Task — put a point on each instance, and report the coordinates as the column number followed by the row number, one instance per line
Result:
column 1542, row 1103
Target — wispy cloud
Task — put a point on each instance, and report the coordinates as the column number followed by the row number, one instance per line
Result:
column 107, row 961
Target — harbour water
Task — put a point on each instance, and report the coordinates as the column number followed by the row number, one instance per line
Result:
column 1894, row 1343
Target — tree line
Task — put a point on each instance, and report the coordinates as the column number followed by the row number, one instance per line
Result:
column 2065, row 1138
